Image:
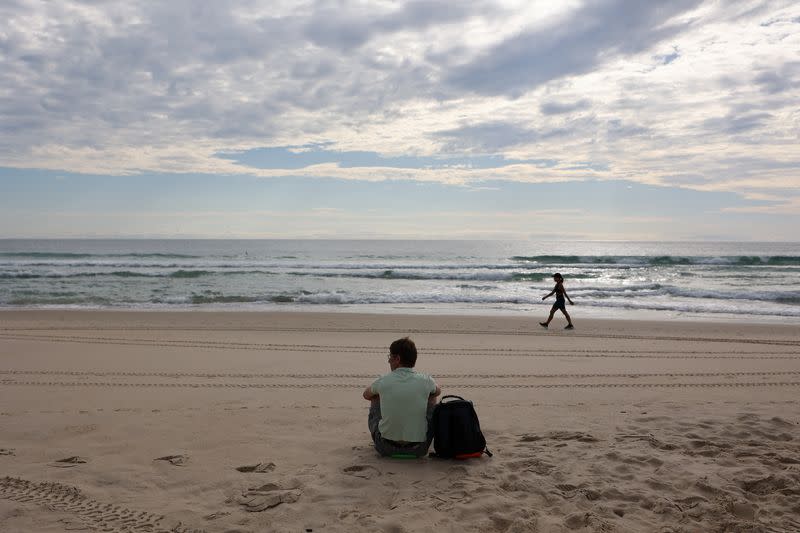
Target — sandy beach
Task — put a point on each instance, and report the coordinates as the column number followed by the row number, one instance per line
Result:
column 245, row 421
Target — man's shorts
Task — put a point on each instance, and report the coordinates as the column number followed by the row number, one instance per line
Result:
column 388, row 447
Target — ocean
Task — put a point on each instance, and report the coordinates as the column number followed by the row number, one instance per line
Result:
column 649, row 280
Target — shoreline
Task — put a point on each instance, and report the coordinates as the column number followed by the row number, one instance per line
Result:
column 533, row 315
column 516, row 318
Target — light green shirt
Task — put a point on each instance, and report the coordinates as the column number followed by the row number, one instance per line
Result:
column 404, row 403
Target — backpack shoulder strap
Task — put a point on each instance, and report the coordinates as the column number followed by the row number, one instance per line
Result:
column 453, row 396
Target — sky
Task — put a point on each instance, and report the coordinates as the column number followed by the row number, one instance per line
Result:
column 489, row 119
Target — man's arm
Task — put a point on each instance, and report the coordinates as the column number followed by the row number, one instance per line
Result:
column 369, row 395
column 435, row 394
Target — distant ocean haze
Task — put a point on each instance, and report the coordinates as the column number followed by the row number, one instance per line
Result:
column 614, row 279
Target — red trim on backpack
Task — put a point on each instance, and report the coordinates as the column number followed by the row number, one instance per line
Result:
column 468, row 455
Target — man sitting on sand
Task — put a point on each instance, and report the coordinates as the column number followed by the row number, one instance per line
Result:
column 401, row 404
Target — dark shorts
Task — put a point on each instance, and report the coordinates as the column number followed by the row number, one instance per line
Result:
column 560, row 304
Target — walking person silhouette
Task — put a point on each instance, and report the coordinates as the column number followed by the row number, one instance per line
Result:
column 561, row 294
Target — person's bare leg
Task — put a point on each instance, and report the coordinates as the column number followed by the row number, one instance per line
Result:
column 569, row 320
column 549, row 319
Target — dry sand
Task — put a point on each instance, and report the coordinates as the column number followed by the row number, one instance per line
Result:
column 142, row 421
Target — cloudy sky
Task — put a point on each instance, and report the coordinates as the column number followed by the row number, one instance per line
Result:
column 578, row 119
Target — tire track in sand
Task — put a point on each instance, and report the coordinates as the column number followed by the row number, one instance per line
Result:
column 112, row 384
column 92, row 513
column 213, row 375
column 771, row 342
column 371, row 350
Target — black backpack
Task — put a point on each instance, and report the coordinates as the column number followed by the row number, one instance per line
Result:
column 456, row 430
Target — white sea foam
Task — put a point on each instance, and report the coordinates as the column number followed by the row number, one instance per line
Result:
column 738, row 279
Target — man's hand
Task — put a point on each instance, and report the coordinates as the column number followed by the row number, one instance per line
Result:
column 435, row 394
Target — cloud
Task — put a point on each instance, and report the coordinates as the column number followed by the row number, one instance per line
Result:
column 593, row 34
column 344, row 27
column 734, row 124
column 426, row 91
column 562, row 108
column 299, row 157
column 491, row 137
column 618, row 130
column 785, row 78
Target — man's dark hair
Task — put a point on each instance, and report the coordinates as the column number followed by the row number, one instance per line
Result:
column 406, row 350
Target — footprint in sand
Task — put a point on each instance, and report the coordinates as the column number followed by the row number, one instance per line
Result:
column 177, row 460
column 768, row 485
column 362, row 471
column 778, row 421
column 536, row 466
column 267, row 496
column 73, row 525
column 559, row 436
column 583, row 520
column 69, row 462
column 650, row 439
column 6, row 451
column 259, row 468
column 742, row 510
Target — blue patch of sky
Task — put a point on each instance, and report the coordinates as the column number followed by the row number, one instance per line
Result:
column 40, row 191
column 290, row 157
column 666, row 59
